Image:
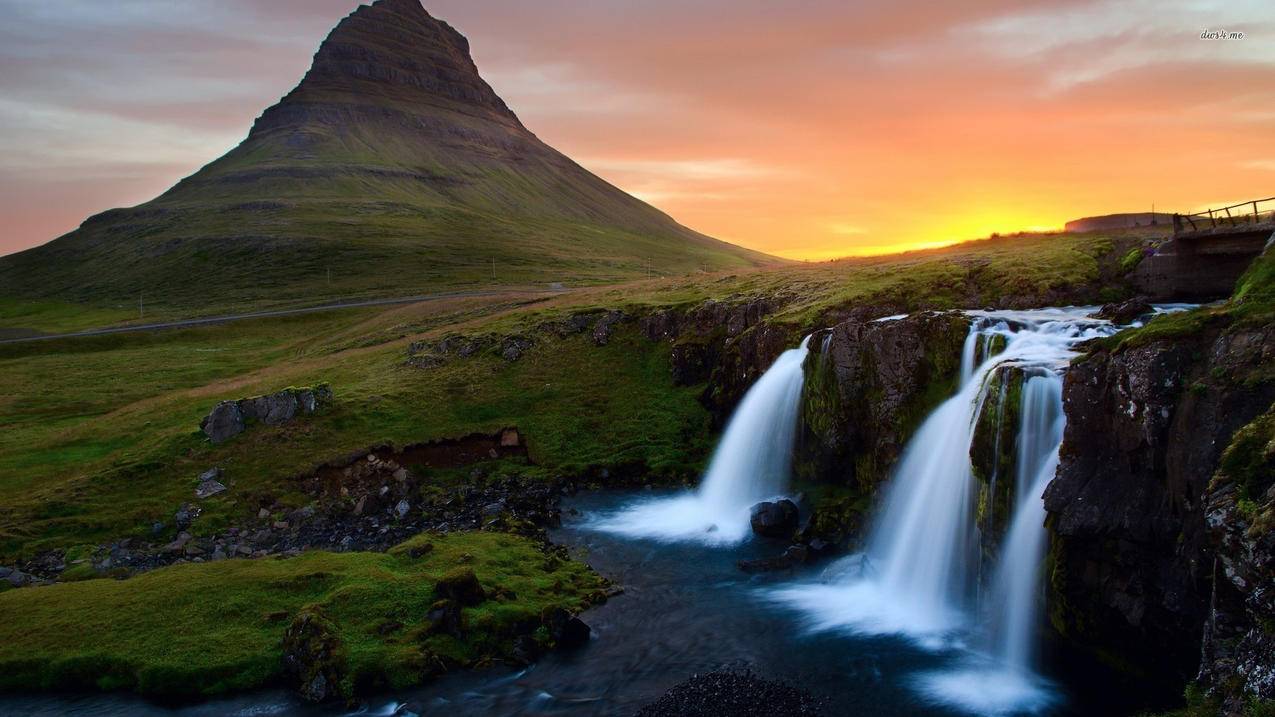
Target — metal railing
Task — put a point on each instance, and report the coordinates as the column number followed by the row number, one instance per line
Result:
column 1249, row 212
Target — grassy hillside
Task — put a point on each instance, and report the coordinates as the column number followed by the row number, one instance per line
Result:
column 392, row 169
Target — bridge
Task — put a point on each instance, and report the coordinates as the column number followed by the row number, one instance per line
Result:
column 1208, row 251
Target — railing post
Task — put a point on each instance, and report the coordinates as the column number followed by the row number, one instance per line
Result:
column 1257, row 217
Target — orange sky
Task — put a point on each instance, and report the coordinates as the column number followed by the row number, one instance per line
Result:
column 809, row 130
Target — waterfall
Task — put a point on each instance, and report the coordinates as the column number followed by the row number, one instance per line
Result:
column 754, row 458
column 1017, row 585
column 752, row 463
column 918, row 576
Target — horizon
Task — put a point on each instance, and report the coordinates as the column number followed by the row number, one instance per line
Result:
column 985, row 118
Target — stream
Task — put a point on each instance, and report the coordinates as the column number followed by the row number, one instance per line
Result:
column 686, row 608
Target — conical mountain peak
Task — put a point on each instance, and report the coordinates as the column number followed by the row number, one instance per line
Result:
column 393, row 166
column 396, row 56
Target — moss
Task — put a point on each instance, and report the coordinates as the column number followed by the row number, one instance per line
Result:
column 202, row 629
column 1249, row 460
column 1131, row 260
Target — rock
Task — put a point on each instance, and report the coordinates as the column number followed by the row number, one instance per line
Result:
column 184, row 515
column 462, row 586
column 513, row 347
column 795, row 555
column 314, row 657
column 402, row 507
column 213, row 473
column 224, row 422
column 692, row 362
column 1124, row 313
column 179, row 543
column 18, row 579
column 445, row 617
column 229, row 418
column 567, row 631
column 774, row 520
column 510, row 438
column 272, row 410
column 733, row 694
column 605, row 326
column 209, row 488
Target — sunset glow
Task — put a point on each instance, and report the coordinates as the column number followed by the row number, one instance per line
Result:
column 824, row 132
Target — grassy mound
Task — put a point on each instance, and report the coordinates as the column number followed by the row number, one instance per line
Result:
column 209, row 628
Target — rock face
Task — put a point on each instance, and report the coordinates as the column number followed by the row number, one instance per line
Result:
column 1131, row 560
column 1238, row 656
column 727, row 345
column 868, row 385
column 230, row 418
column 774, row 520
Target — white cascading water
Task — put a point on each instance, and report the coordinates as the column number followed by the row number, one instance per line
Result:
column 1015, row 594
column 752, row 463
column 919, row 572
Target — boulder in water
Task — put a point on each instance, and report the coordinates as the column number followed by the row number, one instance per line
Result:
column 1125, row 312
column 774, row 520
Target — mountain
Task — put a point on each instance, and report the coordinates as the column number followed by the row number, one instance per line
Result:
column 393, row 168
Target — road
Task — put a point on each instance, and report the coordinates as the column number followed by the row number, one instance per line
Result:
column 265, row 314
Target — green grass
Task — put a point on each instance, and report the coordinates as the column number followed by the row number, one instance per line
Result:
column 50, row 316
column 203, row 629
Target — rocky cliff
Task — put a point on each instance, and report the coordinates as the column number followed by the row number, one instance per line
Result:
column 1147, row 546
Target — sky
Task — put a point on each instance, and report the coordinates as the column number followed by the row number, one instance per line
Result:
column 810, row 129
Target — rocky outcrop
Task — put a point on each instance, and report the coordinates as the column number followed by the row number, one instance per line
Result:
column 230, row 418
column 726, row 345
column 314, row 657
column 1131, row 560
column 993, row 458
column 868, row 386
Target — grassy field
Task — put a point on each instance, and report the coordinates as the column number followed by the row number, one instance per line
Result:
column 202, row 629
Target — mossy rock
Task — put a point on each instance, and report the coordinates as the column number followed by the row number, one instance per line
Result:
column 314, row 655
column 462, row 586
